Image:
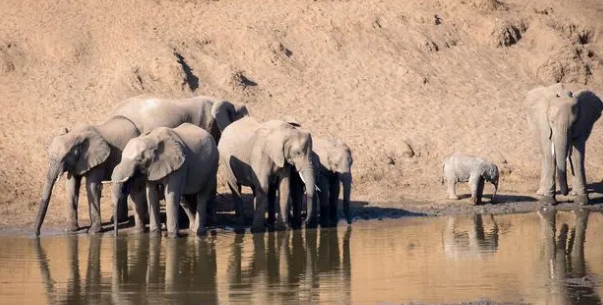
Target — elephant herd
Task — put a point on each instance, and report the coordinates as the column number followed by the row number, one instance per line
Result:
column 155, row 148
column 560, row 122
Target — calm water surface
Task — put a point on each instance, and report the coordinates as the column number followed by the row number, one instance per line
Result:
column 539, row 258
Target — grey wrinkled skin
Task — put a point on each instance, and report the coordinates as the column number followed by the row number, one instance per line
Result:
column 465, row 168
column 184, row 161
column 259, row 155
column 333, row 161
column 89, row 152
column 561, row 122
column 212, row 114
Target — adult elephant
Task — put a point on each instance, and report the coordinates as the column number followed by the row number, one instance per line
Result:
column 333, row 159
column 260, row 154
column 210, row 113
column 184, row 160
column 91, row 152
column 561, row 122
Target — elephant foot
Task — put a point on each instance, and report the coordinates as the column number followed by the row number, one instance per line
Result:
column 453, row 197
column 201, row 232
column 72, row 228
column 548, row 200
column 258, row 229
column 581, row 200
column 94, row 229
column 475, row 201
column 311, row 223
column 139, row 229
column 239, row 230
column 155, row 231
column 173, row 235
column 541, row 192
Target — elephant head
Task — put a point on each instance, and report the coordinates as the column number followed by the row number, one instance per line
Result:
column 152, row 156
column 290, row 145
column 74, row 152
column 225, row 112
column 492, row 175
column 336, row 157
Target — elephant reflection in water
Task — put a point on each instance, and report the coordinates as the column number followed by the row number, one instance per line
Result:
column 79, row 290
column 185, row 273
column 474, row 242
column 287, row 266
column 563, row 253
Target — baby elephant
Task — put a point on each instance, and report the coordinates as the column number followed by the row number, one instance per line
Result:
column 464, row 168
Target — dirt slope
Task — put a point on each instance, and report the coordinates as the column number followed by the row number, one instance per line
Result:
column 403, row 83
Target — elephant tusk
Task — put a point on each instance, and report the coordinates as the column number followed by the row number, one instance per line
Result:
column 553, row 148
column 317, row 188
column 302, row 177
column 124, row 180
column 58, row 178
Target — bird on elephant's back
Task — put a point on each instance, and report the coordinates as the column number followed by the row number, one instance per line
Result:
column 561, row 122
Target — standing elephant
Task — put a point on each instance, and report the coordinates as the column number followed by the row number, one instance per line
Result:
column 463, row 168
column 334, row 160
column 561, row 122
column 259, row 155
column 212, row 114
column 91, row 152
column 184, row 160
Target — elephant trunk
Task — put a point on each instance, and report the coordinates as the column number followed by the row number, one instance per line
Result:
column 118, row 199
column 307, row 175
column 561, row 150
column 495, row 183
column 55, row 170
column 346, row 181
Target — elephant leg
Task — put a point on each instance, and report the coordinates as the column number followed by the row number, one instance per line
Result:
column 577, row 161
column 283, row 194
column 261, row 200
column 334, row 188
column 153, row 207
column 297, row 195
column 72, row 187
column 235, row 190
column 204, row 199
column 452, row 189
column 94, row 188
column 188, row 203
column 272, row 205
column 173, row 193
column 476, row 183
column 547, row 179
column 322, row 198
column 139, row 202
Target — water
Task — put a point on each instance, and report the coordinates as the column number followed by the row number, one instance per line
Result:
column 538, row 258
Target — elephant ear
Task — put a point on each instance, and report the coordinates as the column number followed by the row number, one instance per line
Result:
column 92, row 149
column 590, row 107
column 168, row 155
column 274, row 145
column 224, row 113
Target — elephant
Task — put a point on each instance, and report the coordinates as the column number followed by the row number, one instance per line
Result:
column 258, row 155
column 212, row 114
column 91, row 152
column 476, row 241
column 560, row 123
column 459, row 167
column 563, row 258
column 184, row 160
column 334, row 160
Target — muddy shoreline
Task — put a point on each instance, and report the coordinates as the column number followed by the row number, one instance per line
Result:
column 361, row 211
